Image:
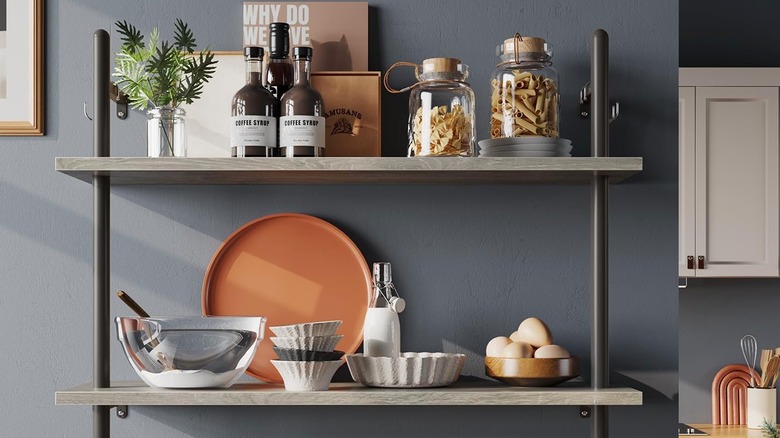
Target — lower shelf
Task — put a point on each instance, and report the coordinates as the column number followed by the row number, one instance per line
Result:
column 468, row 393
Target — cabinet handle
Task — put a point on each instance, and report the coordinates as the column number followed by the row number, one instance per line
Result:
column 690, row 263
column 701, row 262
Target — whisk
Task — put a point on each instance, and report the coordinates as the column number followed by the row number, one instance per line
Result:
column 749, row 349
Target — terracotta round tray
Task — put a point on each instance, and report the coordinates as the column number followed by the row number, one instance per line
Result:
column 532, row 372
column 290, row 268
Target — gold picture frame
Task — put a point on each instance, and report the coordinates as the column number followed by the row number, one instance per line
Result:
column 22, row 110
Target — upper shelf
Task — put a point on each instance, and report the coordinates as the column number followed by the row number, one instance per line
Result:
column 422, row 170
column 461, row 393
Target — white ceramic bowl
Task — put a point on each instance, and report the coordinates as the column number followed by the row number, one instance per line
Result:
column 307, row 329
column 536, row 154
column 311, row 343
column 307, row 376
column 410, row 370
column 541, row 147
column 494, row 142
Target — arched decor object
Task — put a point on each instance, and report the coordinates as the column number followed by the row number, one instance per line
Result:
column 729, row 394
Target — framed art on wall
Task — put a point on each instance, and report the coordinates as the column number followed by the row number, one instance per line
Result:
column 21, row 67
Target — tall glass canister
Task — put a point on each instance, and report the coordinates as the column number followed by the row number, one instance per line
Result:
column 525, row 99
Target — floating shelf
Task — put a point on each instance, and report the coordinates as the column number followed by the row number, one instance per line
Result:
column 469, row 393
column 422, row 170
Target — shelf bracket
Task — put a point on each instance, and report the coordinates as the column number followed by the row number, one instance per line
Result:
column 585, row 95
column 116, row 95
column 122, row 411
column 585, row 411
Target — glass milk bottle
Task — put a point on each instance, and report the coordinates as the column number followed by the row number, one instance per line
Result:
column 382, row 328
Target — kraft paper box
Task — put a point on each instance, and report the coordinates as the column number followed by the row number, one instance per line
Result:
column 353, row 112
column 338, row 31
column 352, row 106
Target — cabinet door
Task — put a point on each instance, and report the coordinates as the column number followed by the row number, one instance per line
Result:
column 687, row 172
column 737, row 181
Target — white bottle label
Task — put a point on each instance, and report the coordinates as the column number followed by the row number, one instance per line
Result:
column 253, row 131
column 302, row 131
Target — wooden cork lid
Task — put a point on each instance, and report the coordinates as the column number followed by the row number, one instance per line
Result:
column 524, row 44
column 440, row 65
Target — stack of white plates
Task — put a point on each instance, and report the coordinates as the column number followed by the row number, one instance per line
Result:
column 525, row 147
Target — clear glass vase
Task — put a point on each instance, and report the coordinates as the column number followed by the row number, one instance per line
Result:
column 165, row 132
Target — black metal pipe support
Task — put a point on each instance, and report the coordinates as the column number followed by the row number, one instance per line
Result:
column 101, row 191
column 599, row 343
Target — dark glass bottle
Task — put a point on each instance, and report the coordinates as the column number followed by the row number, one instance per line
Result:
column 279, row 78
column 302, row 125
column 254, row 118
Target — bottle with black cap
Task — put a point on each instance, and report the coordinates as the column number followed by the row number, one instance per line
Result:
column 301, row 124
column 279, row 78
column 254, row 115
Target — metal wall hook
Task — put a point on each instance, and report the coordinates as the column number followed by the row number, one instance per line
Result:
column 85, row 112
column 614, row 109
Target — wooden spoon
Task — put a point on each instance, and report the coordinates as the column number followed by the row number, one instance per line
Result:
column 770, row 371
column 142, row 313
column 765, row 356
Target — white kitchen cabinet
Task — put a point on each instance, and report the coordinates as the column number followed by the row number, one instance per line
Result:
column 729, row 176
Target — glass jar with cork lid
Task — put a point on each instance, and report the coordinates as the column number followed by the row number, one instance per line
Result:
column 525, row 99
column 441, row 108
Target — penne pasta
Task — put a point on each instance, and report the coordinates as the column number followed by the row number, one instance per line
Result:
column 523, row 103
column 528, row 126
column 539, row 105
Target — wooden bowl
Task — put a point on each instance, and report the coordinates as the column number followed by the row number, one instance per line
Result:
column 532, row 372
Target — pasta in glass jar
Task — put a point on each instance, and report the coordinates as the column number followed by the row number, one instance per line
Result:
column 525, row 99
column 441, row 109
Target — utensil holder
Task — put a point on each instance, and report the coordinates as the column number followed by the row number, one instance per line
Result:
column 761, row 405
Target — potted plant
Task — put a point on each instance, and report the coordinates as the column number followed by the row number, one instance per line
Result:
column 159, row 77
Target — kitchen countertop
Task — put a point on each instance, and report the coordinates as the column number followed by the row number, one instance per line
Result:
column 728, row 431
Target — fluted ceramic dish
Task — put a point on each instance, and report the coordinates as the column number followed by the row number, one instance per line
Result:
column 410, row 370
column 306, row 376
column 311, row 343
column 307, row 329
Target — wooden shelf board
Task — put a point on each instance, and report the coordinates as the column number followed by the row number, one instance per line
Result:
column 187, row 171
column 468, row 393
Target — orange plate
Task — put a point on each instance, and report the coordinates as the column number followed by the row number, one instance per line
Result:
column 290, row 268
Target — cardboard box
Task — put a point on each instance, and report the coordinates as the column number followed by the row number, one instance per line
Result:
column 353, row 112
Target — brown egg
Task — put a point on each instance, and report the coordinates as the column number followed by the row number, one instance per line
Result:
column 535, row 332
column 517, row 350
column 496, row 345
column 551, row 352
column 514, row 337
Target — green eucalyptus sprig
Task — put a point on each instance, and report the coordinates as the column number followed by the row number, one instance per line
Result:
column 770, row 430
column 156, row 73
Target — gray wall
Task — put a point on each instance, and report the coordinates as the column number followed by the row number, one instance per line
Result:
column 716, row 313
column 471, row 261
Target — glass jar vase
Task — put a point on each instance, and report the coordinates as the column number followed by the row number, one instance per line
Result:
column 165, row 132
column 441, row 109
column 525, row 99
